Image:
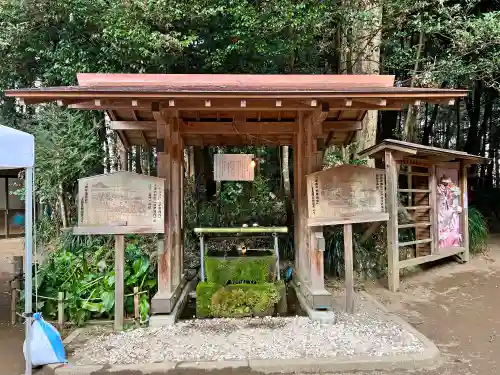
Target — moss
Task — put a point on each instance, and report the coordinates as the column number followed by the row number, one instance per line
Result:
column 236, row 299
column 228, row 270
column 204, row 292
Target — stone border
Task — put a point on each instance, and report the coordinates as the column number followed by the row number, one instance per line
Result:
column 272, row 366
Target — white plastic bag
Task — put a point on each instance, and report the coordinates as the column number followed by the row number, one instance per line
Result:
column 46, row 345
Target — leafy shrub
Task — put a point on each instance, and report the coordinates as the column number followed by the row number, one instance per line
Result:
column 244, row 299
column 478, row 231
column 83, row 268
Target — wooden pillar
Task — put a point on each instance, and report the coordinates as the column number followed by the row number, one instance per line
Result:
column 298, row 187
column 182, row 172
column 176, row 204
column 349, row 269
column 392, row 225
column 317, row 265
column 169, row 258
column 464, row 217
column 309, row 242
column 164, row 253
column 433, row 229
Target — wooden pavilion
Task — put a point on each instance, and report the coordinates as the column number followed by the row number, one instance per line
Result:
column 169, row 112
column 412, row 180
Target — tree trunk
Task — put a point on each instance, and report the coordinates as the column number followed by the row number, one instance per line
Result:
column 62, row 207
column 388, row 125
column 367, row 41
column 138, row 161
column 191, row 163
column 458, row 145
column 426, row 138
column 123, row 157
column 447, row 132
column 411, row 115
column 473, row 105
column 286, row 184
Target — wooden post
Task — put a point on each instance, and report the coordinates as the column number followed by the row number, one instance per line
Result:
column 181, row 172
column 119, row 282
column 392, row 225
column 464, row 217
column 60, row 310
column 6, row 207
column 164, row 171
column 433, row 229
column 13, row 301
column 14, row 286
column 175, row 201
column 349, row 269
column 317, row 260
column 137, row 317
column 298, row 187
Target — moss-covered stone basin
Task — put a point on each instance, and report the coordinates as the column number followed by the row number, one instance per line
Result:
column 237, row 300
column 255, row 267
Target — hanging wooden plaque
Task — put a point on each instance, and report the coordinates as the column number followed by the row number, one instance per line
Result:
column 233, row 167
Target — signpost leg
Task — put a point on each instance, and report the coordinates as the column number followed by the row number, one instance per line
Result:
column 202, row 257
column 349, row 269
column 119, row 282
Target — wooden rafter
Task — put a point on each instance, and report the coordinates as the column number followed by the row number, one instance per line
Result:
column 237, row 127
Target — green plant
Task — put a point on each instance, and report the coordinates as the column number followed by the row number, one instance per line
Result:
column 236, row 300
column 478, row 231
column 370, row 257
column 222, row 270
column 83, row 268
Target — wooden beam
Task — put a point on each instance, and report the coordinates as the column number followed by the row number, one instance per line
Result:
column 376, row 102
column 238, row 128
column 318, row 117
column 132, row 125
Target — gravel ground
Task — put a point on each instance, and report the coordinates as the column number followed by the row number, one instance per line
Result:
column 364, row 333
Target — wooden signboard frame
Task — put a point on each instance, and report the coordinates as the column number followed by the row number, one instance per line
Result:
column 120, row 228
column 345, row 195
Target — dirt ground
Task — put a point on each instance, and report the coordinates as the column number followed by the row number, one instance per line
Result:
column 455, row 305
column 11, row 337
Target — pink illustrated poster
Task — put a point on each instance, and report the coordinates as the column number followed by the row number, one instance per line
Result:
column 448, row 208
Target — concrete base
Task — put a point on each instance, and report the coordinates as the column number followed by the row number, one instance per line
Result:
column 319, row 299
column 164, row 303
column 160, row 320
column 427, row 358
column 323, row 316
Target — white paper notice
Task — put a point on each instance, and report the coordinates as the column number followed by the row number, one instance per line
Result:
column 233, row 167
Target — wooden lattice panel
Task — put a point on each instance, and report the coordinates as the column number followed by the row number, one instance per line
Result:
column 122, row 199
column 346, row 194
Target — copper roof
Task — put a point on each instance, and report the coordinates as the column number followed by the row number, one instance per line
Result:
column 130, row 99
column 153, row 86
